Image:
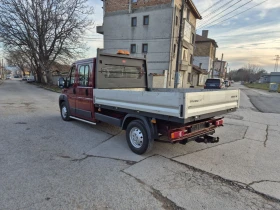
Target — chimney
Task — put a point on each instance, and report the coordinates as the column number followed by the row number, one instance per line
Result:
column 205, row 33
column 200, row 65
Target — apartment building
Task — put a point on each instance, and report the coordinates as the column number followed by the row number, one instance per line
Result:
column 205, row 51
column 150, row 28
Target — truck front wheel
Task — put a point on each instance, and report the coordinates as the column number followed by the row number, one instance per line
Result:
column 65, row 115
column 138, row 138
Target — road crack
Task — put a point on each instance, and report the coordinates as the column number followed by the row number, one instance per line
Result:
column 266, row 137
column 257, row 182
column 167, row 204
column 240, row 185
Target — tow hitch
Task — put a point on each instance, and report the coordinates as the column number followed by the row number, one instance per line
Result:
column 208, row 139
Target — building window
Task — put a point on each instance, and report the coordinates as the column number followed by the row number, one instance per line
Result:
column 134, row 21
column 174, row 49
column 189, row 77
column 144, row 48
column 176, row 20
column 191, row 59
column 146, row 20
column 193, row 37
column 188, row 15
column 133, row 48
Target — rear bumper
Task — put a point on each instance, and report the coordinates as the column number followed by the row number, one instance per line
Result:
column 193, row 131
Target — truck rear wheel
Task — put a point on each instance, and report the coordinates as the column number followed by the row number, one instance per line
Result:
column 137, row 137
column 65, row 114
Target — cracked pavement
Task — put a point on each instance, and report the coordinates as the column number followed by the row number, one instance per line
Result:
column 46, row 163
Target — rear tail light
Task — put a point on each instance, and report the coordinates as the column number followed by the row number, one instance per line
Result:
column 177, row 134
column 219, row 122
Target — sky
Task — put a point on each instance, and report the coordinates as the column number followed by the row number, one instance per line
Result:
column 251, row 37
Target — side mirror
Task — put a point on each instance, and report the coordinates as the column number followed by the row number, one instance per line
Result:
column 61, row 82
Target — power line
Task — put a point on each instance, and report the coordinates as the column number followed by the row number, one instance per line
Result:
column 235, row 15
column 212, row 13
column 225, row 14
column 207, row 21
column 213, row 5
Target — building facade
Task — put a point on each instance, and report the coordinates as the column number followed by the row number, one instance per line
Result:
column 205, row 51
column 150, row 28
column 273, row 77
column 220, row 69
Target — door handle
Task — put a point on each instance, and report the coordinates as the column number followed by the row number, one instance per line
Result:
column 74, row 90
column 87, row 92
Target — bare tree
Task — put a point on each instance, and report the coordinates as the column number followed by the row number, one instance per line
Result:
column 44, row 30
column 19, row 59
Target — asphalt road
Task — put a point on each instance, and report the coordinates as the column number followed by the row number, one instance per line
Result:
column 264, row 101
column 46, row 163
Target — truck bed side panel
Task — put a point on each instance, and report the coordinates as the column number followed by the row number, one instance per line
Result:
column 152, row 102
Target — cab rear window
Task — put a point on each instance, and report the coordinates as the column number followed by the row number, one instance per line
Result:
column 212, row 81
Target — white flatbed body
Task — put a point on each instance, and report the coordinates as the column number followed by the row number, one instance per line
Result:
column 177, row 103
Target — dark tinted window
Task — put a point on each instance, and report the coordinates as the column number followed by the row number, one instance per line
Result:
column 213, row 81
column 134, row 21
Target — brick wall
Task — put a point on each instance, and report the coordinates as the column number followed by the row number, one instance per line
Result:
column 120, row 5
column 116, row 5
column 202, row 49
column 148, row 3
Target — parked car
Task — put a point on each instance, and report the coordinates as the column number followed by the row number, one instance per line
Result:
column 30, row 79
column 8, row 77
column 214, row 84
column 24, row 78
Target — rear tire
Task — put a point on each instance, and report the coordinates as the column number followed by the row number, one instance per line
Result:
column 137, row 137
column 64, row 112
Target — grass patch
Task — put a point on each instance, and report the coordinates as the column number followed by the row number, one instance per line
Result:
column 264, row 86
column 53, row 88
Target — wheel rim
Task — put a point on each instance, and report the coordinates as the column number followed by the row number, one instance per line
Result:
column 64, row 112
column 136, row 137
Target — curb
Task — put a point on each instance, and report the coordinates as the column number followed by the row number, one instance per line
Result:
column 40, row 86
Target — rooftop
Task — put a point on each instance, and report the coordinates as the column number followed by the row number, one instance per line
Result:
column 200, row 38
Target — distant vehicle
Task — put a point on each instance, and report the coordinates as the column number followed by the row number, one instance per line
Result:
column 232, row 81
column 214, row 84
column 24, row 78
column 30, row 79
column 16, row 76
column 8, row 77
column 227, row 83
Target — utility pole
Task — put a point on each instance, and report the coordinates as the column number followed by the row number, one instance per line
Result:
column 177, row 73
column 221, row 64
column 276, row 63
column 2, row 68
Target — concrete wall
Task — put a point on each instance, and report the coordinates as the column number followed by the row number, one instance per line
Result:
column 207, row 62
column 275, row 79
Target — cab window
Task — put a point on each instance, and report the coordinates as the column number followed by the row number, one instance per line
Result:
column 72, row 76
column 84, row 76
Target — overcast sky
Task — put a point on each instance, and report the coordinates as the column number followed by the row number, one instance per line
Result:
column 251, row 37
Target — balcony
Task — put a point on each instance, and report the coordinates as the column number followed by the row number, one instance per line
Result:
column 185, row 66
column 99, row 30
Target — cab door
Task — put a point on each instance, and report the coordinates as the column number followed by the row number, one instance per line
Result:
column 84, row 100
column 70, row 91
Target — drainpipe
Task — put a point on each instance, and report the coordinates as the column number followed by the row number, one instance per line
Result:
column 179, row 46
column 129, row 6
